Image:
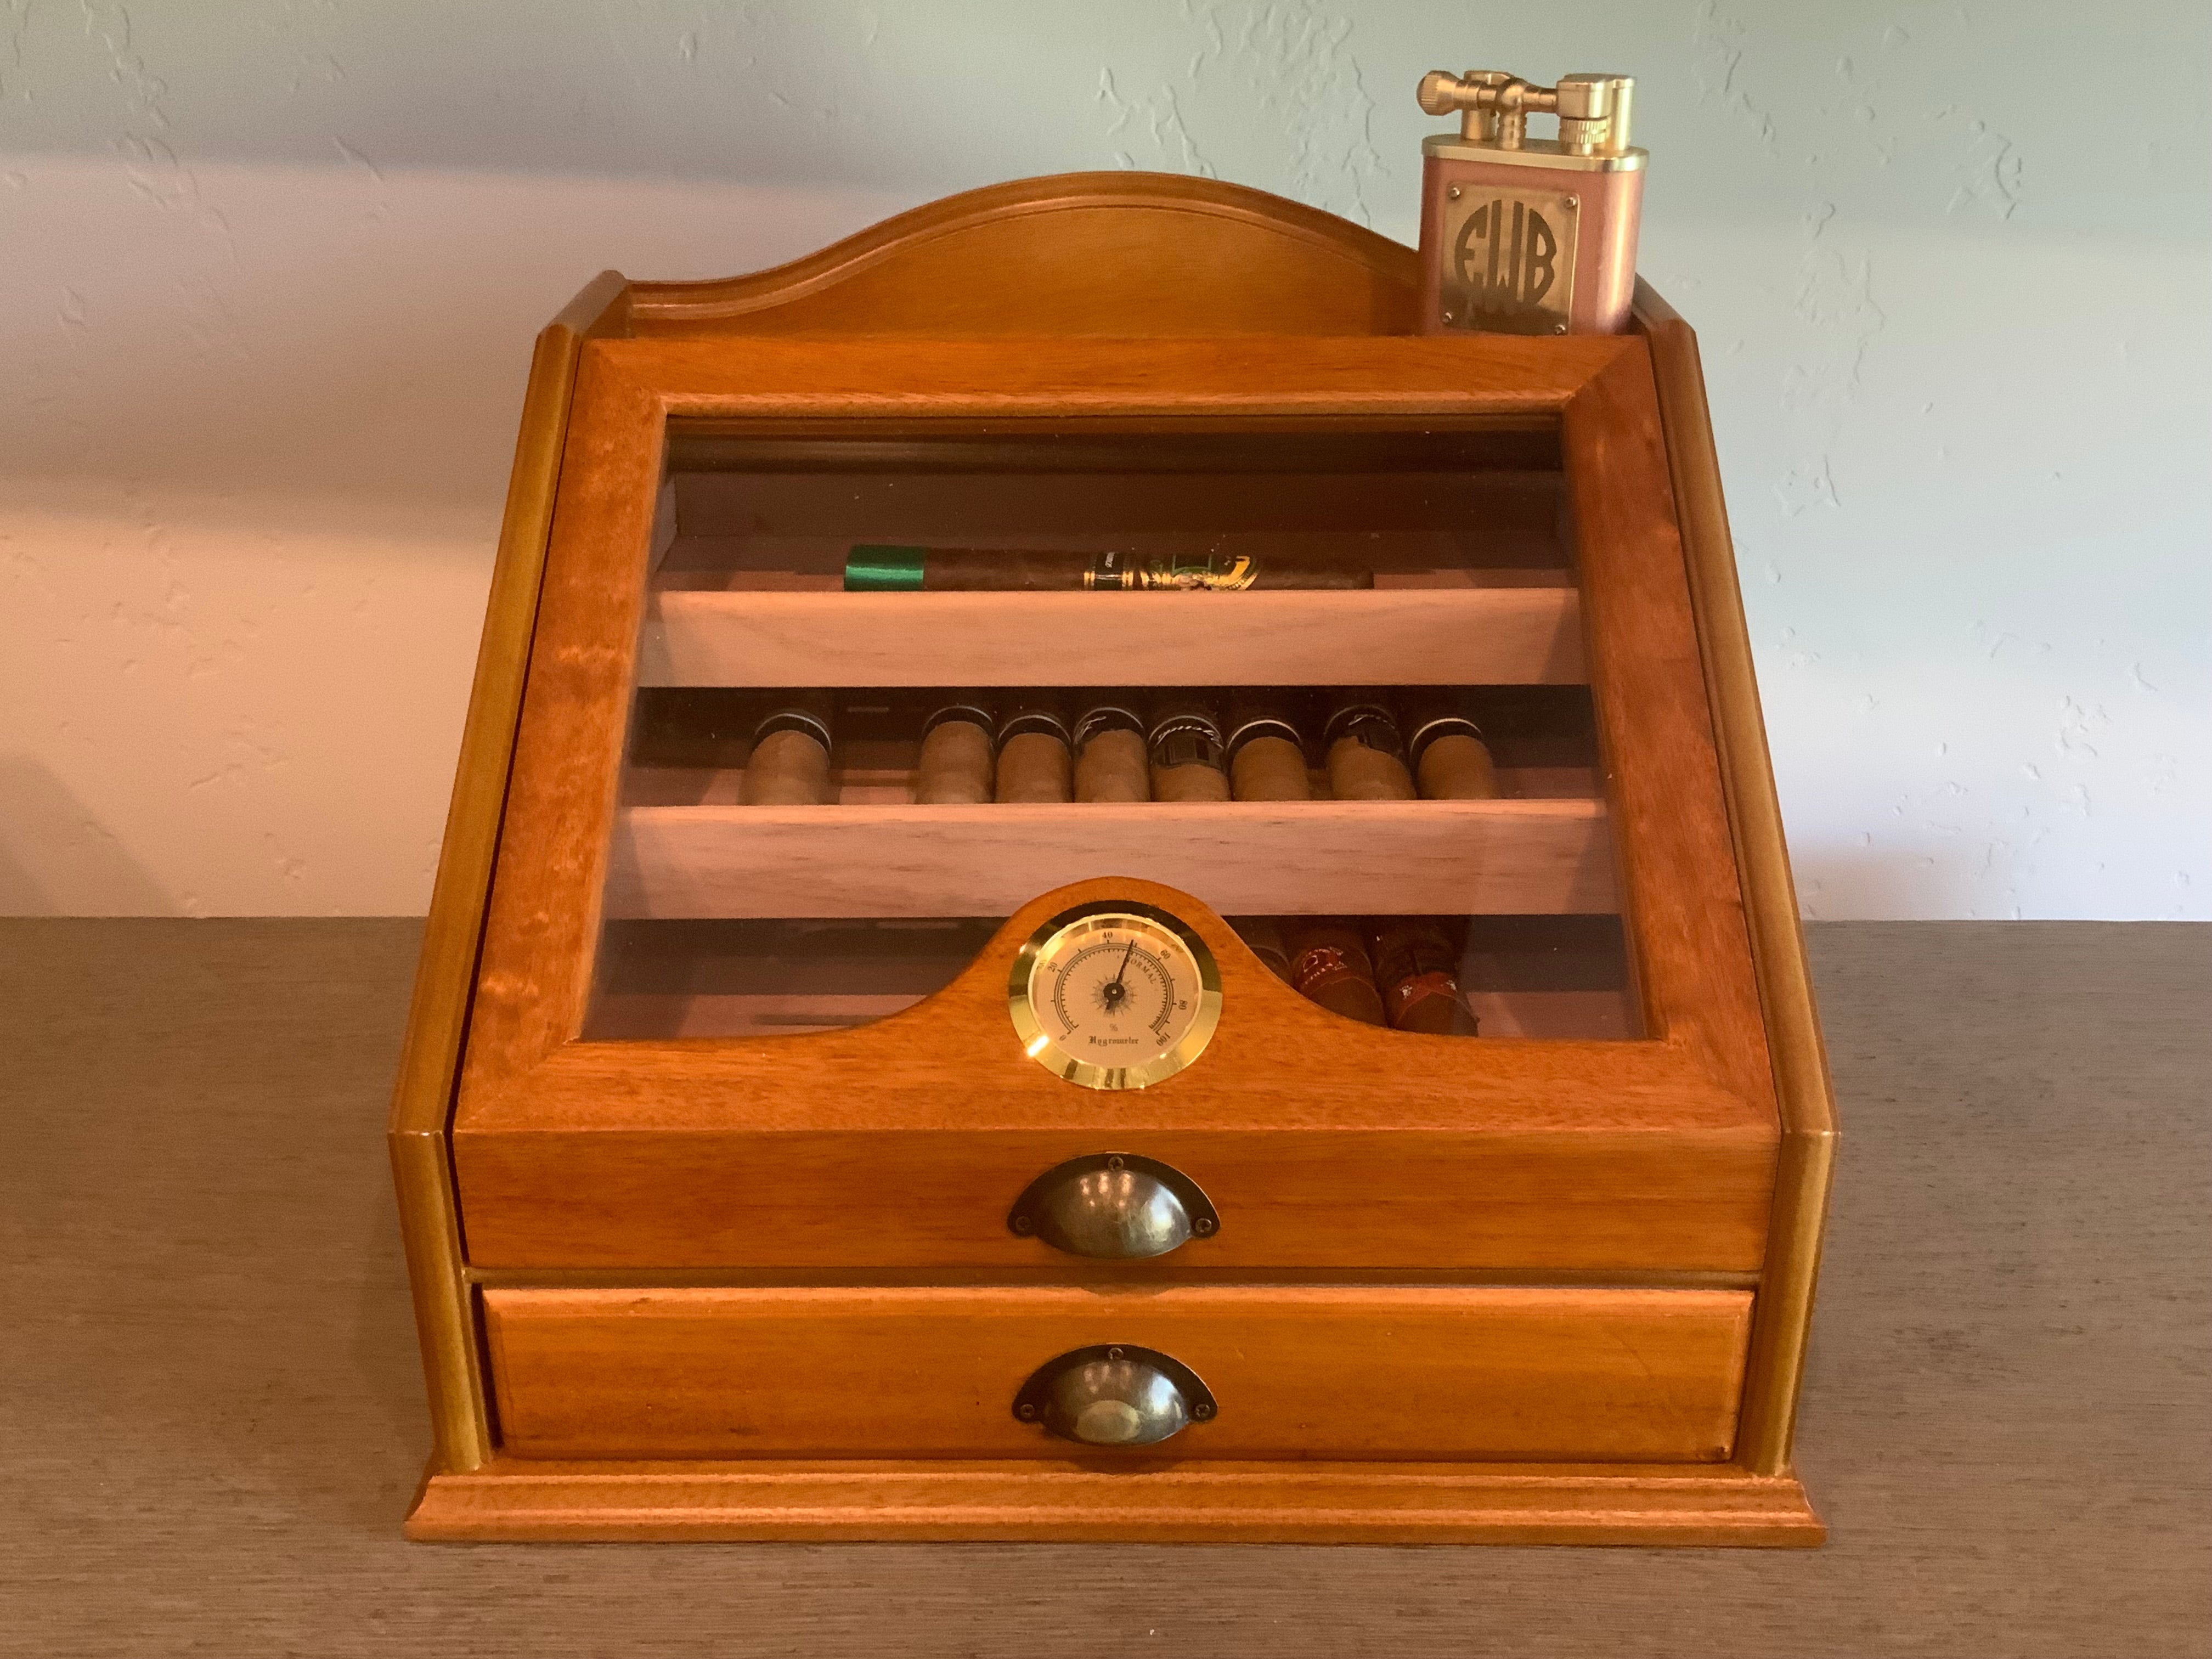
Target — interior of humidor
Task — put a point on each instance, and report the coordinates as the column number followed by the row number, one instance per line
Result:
column 689, row 746
column 1442, row 636
column 1523, row 977
column 775, row 508
column 1462, row 533
column 726, row 919
column 684, row 847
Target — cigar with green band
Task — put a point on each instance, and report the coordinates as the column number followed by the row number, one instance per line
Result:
column 886, row 568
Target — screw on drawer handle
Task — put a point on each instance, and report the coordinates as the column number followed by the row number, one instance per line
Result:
column 1113, row 1205
column 1114, row 1395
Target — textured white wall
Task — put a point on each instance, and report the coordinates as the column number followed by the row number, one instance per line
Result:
column 272, row 270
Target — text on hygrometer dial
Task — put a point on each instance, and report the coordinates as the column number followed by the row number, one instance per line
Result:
column 1115, row 993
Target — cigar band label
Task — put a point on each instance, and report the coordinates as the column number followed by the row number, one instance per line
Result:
column 793, row 719
column 1420, row 988
column 964, row 713
column 1032, row 722
column 1324, row 964
column 1109, row 573
column 1207, row 576
column 1263, row 726
column 876, row 568
column 1186, row 740
column 1444, row 726
column 1367, row 725
column 1101, row 720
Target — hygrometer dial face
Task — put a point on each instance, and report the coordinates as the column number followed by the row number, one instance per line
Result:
column 1115, row 995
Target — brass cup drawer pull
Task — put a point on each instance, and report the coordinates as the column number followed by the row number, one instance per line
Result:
column 1114, row 1395
column 1114, row 1206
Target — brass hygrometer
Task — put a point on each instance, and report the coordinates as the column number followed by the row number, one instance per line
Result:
column 1115, row 995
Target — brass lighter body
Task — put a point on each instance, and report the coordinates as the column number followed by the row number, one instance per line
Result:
column 1523, row 235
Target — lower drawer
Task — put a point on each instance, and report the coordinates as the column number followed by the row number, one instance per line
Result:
column 1471, row 1373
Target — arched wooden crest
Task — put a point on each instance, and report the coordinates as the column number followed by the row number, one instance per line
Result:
column 1112, row 253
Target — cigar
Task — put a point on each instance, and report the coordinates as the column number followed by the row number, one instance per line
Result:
column 1266, row 756
column 1444, row 747
column 1417, row 970
column 957, row 755
column 1330, row 965
column 789, row 765
column 877, row 568
column 1366, row 757
column 1184, row 745
column 1109, row 755
column 1033, row 757
column 1264, row 935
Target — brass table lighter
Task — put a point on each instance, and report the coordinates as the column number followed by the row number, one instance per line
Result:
column 1523, row 235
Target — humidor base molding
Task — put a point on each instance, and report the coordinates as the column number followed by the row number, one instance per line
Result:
column 517, row 1501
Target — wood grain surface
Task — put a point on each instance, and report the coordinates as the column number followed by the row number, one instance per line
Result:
column 1079, row 1502
column 1809, row 1138
column 1113, row 253
column 1681, row 893
column 1243, row 857
column 524, row 1070
column 422, row 1095
column 1352, row 1372
column 1277, row 1061
column 216, row 1420
column 1398, row 636
column 745, row 1197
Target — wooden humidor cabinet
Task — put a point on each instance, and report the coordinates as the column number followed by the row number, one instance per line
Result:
column 712, row 1122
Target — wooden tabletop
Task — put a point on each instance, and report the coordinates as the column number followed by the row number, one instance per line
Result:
column 211, row 1419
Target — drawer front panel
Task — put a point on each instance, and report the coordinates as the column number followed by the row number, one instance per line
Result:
column 1682, row 1200
column 1390, row 1372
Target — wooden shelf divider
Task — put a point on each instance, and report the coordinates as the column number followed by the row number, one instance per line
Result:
column 1395, row 858
column 1394, row 636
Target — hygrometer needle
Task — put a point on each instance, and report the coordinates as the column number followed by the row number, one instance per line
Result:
column 1124, row 967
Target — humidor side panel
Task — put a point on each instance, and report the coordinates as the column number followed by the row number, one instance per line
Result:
column 1803, row 1091
column 422, row 1095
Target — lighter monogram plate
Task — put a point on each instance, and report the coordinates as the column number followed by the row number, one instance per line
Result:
column 1508, row 264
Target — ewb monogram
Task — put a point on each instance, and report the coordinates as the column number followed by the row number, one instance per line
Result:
column 1508, row 261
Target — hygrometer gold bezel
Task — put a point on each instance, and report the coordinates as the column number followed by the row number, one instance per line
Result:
column 1167, row 933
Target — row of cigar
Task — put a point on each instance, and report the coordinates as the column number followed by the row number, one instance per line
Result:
column 1399, row 971
column 1414, row 743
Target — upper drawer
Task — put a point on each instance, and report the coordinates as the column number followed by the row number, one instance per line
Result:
column 1608, row 1198
column 1419, row 1373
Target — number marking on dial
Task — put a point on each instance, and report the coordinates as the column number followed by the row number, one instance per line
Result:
column 1114, row 996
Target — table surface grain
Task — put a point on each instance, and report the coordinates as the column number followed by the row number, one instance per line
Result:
column 213, row 1419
